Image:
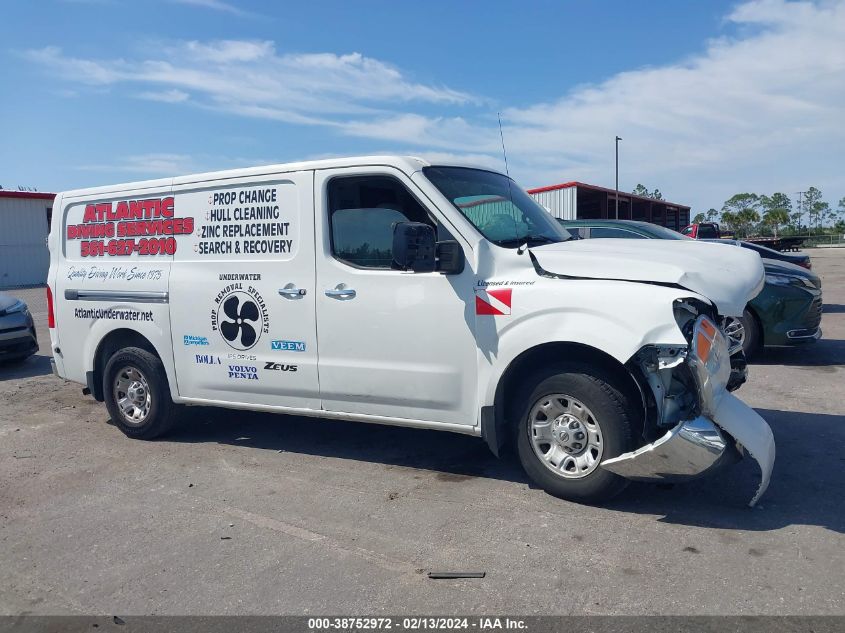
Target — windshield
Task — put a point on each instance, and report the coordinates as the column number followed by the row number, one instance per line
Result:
column 497, row 206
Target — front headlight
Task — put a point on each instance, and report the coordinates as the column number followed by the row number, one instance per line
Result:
column 18, row 306
column 789, row 280
column 710, row 360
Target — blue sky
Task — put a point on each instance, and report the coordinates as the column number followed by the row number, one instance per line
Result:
column 711, row 98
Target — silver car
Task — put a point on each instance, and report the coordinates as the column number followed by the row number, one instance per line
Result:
column 17, row 330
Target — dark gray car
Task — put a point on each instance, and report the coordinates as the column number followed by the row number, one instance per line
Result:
column 17, row 330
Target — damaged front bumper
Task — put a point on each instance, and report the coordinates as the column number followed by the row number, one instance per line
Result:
column 724, row 429
column 690, row 450
column 698, row 447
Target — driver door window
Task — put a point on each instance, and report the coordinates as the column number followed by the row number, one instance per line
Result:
column 362, row 212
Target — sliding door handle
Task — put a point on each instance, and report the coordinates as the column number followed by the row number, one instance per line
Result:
column 292, row 292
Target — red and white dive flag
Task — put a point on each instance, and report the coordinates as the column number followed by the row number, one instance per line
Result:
column 493, row 302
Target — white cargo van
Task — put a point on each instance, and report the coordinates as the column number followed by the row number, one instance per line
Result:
column 388, row 290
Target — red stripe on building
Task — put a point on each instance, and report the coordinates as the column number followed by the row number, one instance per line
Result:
column 37, row 195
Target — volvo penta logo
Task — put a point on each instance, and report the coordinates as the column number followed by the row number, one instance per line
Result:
column 240, row 315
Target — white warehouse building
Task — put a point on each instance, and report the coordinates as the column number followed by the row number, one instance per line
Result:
column 25, row 218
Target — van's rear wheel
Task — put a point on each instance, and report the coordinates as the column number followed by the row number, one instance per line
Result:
column 137, row 395
column 572, row 420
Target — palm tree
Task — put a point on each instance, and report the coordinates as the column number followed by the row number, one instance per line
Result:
column 775, row 217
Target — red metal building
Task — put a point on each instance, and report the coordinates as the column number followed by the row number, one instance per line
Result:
column 578, row 200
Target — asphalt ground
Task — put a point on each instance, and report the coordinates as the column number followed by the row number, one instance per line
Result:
column 247, row 513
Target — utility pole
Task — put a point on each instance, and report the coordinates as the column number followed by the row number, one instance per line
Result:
column 800, row 208
column 618, row 138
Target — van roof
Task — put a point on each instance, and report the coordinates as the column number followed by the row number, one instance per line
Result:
column 407, row 164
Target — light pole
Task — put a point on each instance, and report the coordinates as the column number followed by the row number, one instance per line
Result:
column 618, row 138
column 800, row 209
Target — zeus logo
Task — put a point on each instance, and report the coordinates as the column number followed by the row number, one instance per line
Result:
column 279, row 366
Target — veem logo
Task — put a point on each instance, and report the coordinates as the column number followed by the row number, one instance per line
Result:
column 288, row 346
column 207, row 359
column 243, row 372
column 188, row 339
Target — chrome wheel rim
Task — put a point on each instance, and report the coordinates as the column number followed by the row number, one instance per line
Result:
column 565, row 435
column 735, row 331
column 132, row 395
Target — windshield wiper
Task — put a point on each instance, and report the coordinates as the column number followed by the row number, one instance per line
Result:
column 527, row 239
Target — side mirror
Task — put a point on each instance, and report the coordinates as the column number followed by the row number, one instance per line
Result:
column 450, row 257
column 413, row 247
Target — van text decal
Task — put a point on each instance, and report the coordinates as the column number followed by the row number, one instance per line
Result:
column 244, row 221
column 111, row 229
column 279, row 366
column 113, row 313
column 288, row 346
column 243, row 372
column 119, row 273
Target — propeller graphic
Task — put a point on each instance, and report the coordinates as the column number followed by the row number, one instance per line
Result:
column 238, row 327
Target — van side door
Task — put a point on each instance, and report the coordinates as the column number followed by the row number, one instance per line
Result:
column 392, row 343
column 242, row 297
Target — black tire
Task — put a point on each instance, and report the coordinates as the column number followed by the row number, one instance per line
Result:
column 160, row 408
column 751, row 342
column 612, row 411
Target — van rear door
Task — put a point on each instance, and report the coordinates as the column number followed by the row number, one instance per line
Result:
column 242, row 292
column 111, row 253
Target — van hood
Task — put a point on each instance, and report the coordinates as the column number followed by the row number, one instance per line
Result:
column 730, row 277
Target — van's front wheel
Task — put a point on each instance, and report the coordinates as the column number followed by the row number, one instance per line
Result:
column 137, row 395
column 572, row 421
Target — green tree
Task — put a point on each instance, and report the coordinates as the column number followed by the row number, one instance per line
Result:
column 775, row 218
column 742, row 208
column 820, row 213
column 642, row 190
column 712, row 214
column 777, row 210
column 729, row 220
column 747, row 220
column 813, row 205
column 699, row 218
column 840, row 214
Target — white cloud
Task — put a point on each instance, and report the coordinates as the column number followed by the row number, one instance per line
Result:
column 226, row 51
column 761, row 110
column 162, row 164
column 155, row 164
column 165, row 96
column 251, row 79
column 720, row 120
column 215, row 5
